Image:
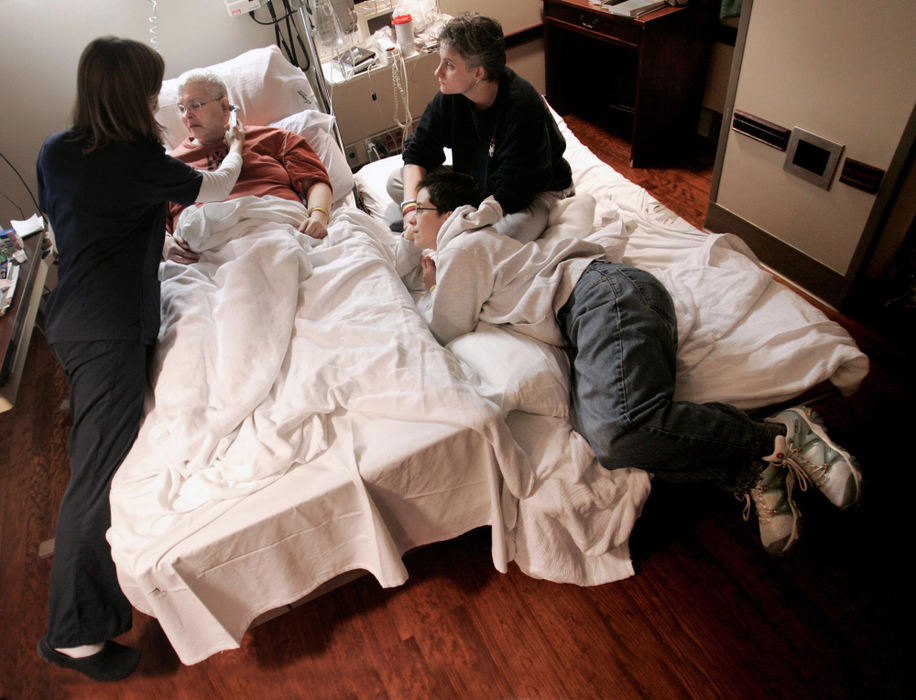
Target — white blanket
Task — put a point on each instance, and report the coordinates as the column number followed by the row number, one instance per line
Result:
column 744, row 339
column 262, row 342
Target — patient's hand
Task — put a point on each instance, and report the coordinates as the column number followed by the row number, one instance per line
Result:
column 429, row 272
column 177, row 250
column 315, row 226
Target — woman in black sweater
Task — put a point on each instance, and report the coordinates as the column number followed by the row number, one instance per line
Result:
column 497, row 125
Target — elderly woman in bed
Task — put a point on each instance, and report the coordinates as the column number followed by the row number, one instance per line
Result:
column 274, row 162
column 618, row 326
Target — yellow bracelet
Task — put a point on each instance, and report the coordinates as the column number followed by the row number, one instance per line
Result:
column 432, row 289
column 321, row 209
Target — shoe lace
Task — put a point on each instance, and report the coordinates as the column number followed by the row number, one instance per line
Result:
column 796, row 470
column 795, row 476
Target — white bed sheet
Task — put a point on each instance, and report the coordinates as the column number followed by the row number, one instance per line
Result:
column 744, row 339
column 383, row 465
column 304, row 424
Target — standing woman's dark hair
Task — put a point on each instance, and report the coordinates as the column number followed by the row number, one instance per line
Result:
column 479, row 40
column 117, row 85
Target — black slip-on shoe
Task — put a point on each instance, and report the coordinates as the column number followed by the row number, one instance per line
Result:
column 114, row 662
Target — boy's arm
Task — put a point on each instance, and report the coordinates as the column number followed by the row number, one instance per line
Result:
column 463, row 285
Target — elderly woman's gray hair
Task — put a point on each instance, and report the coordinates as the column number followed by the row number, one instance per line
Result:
column 478, row 40
column 214, row 85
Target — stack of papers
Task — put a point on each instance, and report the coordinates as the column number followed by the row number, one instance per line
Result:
column 11, row 254
column 27, row 227
column 634, row 8
column 9, row 275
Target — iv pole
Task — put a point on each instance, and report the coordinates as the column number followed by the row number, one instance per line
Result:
column 324, row 94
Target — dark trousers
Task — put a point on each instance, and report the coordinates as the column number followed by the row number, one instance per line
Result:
column 107, row 384
column 622, row 336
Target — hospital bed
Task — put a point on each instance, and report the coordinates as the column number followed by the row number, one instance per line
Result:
column 304, row 425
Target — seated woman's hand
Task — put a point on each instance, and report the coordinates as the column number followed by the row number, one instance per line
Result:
column 177, row 250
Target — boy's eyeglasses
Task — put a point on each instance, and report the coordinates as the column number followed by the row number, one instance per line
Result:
column 418, row 209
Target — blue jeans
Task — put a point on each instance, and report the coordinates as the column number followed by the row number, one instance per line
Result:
column 622, row 335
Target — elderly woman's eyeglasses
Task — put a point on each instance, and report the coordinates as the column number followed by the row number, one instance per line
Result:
column 194, row 106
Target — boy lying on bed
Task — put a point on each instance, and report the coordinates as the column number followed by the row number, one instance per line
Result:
column 274, row 162
column 618, row 326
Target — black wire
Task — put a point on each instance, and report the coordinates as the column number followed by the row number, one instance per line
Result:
column 273, row 19
column 21, row 214
column 290, row 27
column 291, row 47
column 37, row 208
column 287, row 44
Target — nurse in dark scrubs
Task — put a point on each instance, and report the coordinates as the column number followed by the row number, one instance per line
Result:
column 104, row 184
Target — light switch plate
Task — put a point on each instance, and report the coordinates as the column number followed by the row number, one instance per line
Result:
column 812, row 157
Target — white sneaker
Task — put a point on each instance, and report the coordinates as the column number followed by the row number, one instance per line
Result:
column 777, row 515
column 825, row 464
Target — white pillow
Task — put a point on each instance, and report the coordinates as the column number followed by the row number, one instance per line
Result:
column 516, row 371
column 261, row 83
column 318, row 129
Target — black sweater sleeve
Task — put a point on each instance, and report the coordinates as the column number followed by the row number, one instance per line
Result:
column 425, row 146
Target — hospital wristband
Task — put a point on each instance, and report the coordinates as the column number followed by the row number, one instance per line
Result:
column 321, row 209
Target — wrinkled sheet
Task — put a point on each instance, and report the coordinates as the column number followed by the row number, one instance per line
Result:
column 303, row 423
column 744, row 339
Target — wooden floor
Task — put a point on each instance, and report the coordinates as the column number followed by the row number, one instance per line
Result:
column 708, row 614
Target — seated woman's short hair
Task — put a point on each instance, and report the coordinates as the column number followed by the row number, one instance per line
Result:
column 478, row 40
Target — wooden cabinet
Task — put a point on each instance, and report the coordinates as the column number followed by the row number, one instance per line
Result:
column 643, row 77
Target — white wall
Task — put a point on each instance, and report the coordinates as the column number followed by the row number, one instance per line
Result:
column 841, row 69
column 43, row 39
column 513, row 15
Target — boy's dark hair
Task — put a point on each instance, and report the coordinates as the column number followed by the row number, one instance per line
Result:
column 449, row 190
column 479, row 41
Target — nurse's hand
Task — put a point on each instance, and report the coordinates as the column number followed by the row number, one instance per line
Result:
column 235, row 137
column 177, row 250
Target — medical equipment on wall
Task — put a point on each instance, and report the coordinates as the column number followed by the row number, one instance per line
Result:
column 236, row 8
column 302, row 34
column 328, row 33
column 371, row 16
